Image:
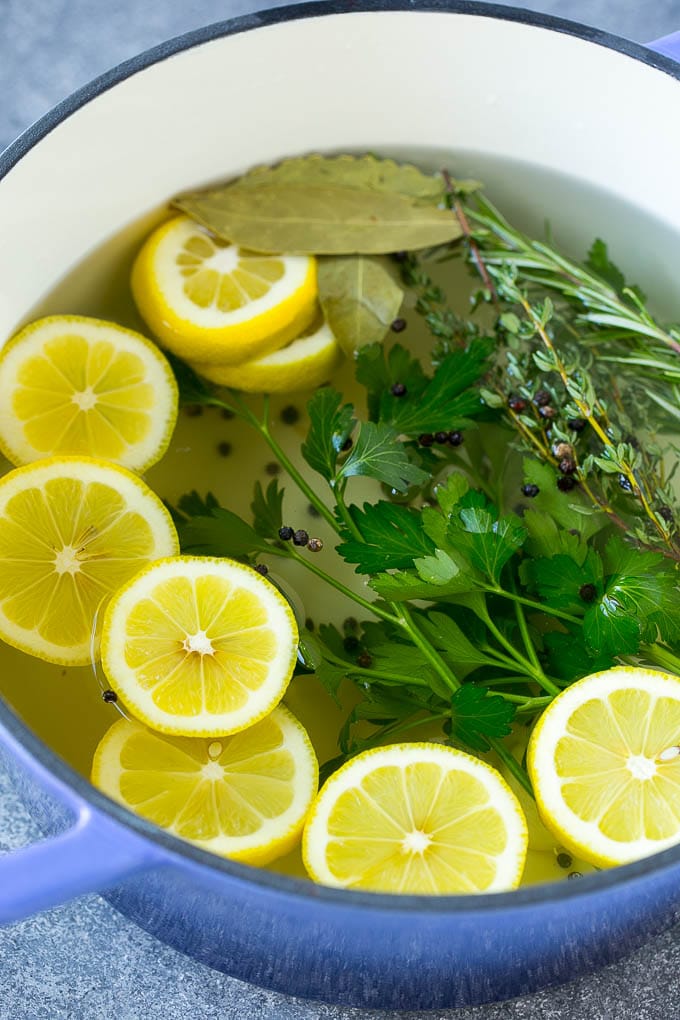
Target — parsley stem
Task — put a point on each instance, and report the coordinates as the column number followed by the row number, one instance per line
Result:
column 401, row 727
column 511, row 764
column 532, row 604
column 430, row 653
column 545, row 683
column 536, row 674
column 343, row 510
column 263, row 428
column 339, row 586
column 375, row 674
column 661, row 656
column 526, row 704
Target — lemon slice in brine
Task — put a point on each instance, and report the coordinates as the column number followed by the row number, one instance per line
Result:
column 210, row 301
column 604, row 760
column 72, row 530
column 416, row 818
column 244, row 796
column 74, row 385
column 305, row 364
column 199, row 646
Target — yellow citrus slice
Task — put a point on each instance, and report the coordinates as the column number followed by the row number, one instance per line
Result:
column 245, row 796
column 305, row 364
column 74, row 385
column 207, row 300
column 72, row 530
column 604, row 760
column 416, row 818
column 199, row 646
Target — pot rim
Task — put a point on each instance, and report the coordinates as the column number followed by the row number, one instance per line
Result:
column 185, row 852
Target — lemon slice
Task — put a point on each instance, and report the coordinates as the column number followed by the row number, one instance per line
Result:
column 72, row 530
column 305, row 364
column 199, row 646
column 604, row 760
column 74, row 385
column 244, row 796
column 207, row 300
column 416, row 818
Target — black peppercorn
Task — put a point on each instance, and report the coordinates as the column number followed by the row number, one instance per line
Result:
column 398, row 325
column 546, row 411
column 566, row 483
column 441, row 437
column 286, row 533
column 347, row 445
column 398, row 389
column 426, row 439
column 666, row 513
column 300, row 537
column 309, row 623
column 577, row 424
column 542, row 398
column 530, row 490
column 350, row 624
column 625, row 483
column 587, row 592
column 365, row 660
column 350, row 643
column 516, row 404
column 564, row 860
column 109, row 696
column 312, row 511
column 290, row 415
column 224, row 449
column 314, row 545
column 193, row 410
column 455, row 438
column 567, row 466
column 272, row 468
column 262, row 568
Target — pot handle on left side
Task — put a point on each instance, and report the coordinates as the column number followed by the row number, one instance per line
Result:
column 668, row 46
column 88, row 857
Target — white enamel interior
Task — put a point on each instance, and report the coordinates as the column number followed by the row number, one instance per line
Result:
column 386, row 80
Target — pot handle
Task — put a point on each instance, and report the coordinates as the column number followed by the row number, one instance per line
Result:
column 86, row 858
column 668, row 46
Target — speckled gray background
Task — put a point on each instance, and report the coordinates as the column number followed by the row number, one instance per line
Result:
column 84, row 961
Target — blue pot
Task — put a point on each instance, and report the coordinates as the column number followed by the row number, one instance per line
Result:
column 343, row 947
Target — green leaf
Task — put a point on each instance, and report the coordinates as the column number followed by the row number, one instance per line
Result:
column 267, row 509
column 598, row 262
column 608, row 628
column 331, row 423
column 558, row 579
column 379, row 368
column 487, row 541
column 404, row 586
column 450, row 492
column 476, row 714
column 446, row 635
column 363, row 172
column 191, row 504
column 192, row 388
column 546, row 539
column 392, row 534
column 569, row 658
column 359, row 297
column 377, row 453
column 563, row 506
column 318, row 219
column 223, row 533
column 438, row 569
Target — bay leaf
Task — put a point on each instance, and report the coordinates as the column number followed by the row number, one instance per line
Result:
column 349, row 172
column 320, row 220
column 359, row 297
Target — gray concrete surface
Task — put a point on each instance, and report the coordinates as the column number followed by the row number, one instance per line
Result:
column 84, row 961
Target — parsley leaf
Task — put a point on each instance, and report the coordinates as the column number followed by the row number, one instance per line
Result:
column 570, row 659
column 393, row 536
column 379, row 368
column 207, row 529
column 598, row 262
column 558, row 579
column 331, row 423
column 447, row 636
column 404, row 586
column 571, row 510
column 267, row 508
column 378, row 454
column 476, row 714
column 488, row 541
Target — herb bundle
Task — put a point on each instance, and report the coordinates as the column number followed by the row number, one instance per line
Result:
column 526, row 535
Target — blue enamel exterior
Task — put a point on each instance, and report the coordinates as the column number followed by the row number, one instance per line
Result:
column 350, row 948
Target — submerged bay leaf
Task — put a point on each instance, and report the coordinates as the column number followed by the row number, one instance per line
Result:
column 359, row 298
column 350, row 172
column 320, row 220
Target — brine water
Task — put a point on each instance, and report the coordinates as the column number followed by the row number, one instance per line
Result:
column 211, row 450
